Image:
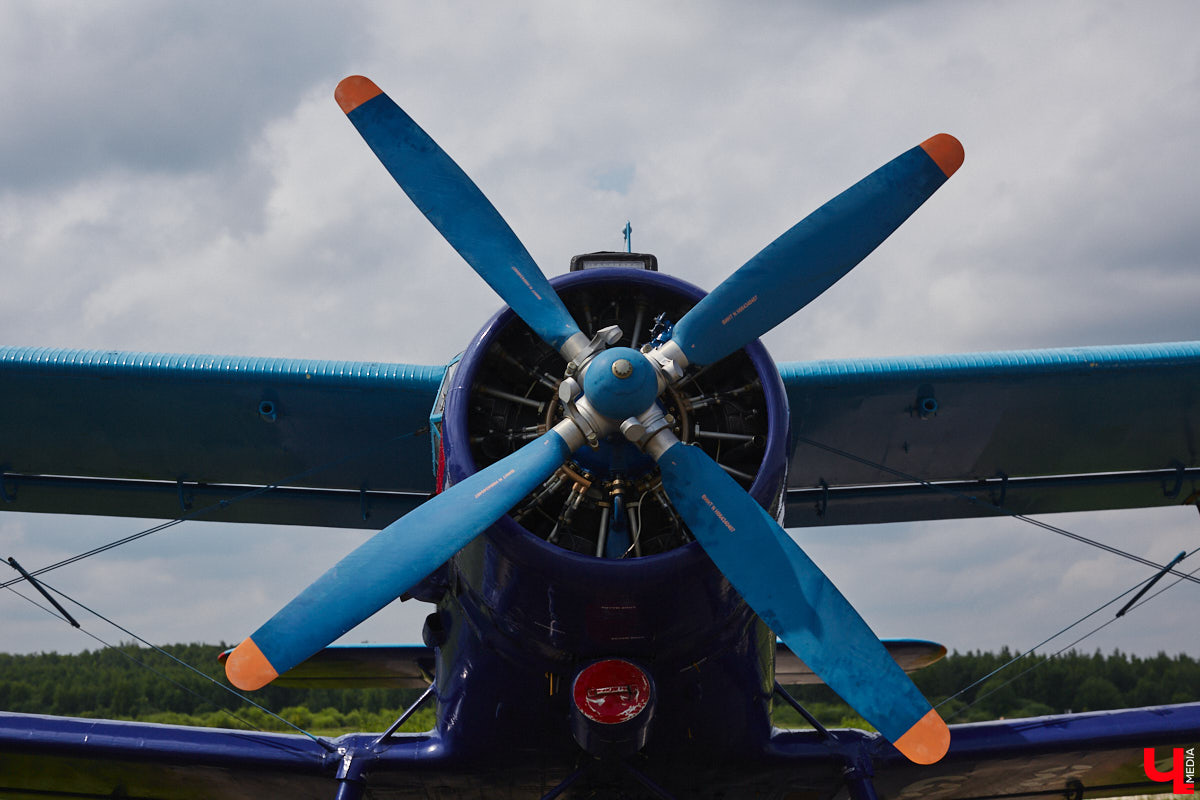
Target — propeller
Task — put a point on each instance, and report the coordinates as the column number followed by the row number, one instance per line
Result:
column 796, row 601
column 395, row 559
column 617, row 389
column 813, row 254
column 458, row 209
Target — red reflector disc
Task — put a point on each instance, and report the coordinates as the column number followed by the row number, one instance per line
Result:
column 611, row 691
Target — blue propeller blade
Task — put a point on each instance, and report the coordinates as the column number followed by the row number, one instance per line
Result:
column 456, row 207
column 391, row 562
column 815, row 253
column 795, row 599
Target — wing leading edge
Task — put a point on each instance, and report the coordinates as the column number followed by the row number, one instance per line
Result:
column 1035, row 431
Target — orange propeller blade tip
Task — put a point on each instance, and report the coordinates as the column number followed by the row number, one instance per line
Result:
column 946, row 152
column 352, row 92
column 926, row 741
column 247, row 668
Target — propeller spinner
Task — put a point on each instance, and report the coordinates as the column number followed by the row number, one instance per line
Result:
column 610, row 389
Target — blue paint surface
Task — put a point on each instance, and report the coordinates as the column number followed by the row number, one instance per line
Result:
column 807, row 259
column 463, row 215
column 1081, row 416
column 789, row 592
column 525, row 606
column 204, row 368
column 619, row 398
column 399, row 556
column 126, row 426
column 614, row 455
column 999, row 364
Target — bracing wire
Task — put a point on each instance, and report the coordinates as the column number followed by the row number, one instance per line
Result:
column 130, row 657
column 255, row 492
column 1000, row 510
column 1054, row 636
column 328, row 747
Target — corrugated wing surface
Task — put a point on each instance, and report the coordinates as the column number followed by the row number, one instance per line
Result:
column 1034, row 431
column 146, row 434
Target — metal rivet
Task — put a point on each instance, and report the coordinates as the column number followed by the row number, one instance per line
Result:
column 622, row 368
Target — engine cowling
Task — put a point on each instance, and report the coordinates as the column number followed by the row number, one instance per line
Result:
column 537, row 595
column 534, row 580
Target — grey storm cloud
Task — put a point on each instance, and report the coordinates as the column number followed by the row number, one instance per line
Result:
column 145, row 87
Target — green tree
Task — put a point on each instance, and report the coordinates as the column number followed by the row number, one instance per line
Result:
column 1097, row 693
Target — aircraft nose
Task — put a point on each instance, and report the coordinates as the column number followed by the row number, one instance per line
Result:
column 620, row 383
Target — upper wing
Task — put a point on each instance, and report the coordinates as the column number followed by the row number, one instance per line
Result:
column 1032, row 431
column 162, row 436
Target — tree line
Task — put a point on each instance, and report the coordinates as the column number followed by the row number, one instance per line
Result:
column 130, row 682
column 960, row 687
column 137, row 683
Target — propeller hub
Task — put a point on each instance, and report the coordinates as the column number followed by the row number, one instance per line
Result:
column 620, row 383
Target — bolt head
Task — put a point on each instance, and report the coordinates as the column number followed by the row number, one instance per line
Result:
column 622, row 368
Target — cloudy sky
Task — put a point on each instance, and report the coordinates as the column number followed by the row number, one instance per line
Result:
column 178, row 178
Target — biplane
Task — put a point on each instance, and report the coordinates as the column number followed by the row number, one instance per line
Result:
column 593, row 498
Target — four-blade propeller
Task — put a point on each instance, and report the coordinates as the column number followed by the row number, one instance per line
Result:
column 618, row 390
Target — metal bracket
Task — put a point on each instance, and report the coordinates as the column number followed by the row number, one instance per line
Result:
column 858, row 781
column 185, row 503
column 350, row 775
column 604, row 338
column 578, row 410
column 669, row 362
column 822, row 505
column 645, row 428
column 661, row 332
column 1179, row 474
column 1003, row 476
